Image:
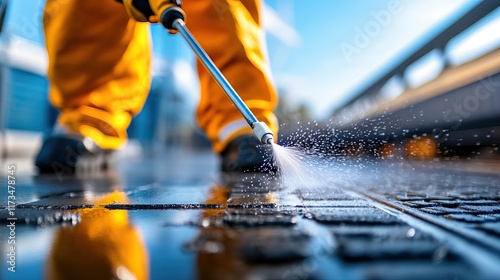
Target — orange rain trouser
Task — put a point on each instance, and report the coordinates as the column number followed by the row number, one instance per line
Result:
column 99, row 62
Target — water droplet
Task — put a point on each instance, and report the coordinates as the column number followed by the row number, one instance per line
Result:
column 205, row 223
column 410, row 232
column 212, row 247
column 440, row 254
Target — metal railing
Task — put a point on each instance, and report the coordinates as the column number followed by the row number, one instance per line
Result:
column 437, row 43
column 369, row 116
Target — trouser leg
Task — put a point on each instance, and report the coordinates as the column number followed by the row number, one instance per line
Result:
column 230, row 32
column 98, row 67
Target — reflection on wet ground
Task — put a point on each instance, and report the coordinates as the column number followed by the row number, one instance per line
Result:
column 175, row 217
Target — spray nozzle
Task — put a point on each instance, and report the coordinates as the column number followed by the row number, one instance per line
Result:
column 263, row 132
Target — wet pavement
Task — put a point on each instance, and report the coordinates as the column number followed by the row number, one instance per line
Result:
column 172, row 216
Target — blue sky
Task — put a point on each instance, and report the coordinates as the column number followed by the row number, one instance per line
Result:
column 317, row 70
column 321, row 51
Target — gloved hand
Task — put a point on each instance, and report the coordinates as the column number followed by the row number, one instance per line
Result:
column 154, row 11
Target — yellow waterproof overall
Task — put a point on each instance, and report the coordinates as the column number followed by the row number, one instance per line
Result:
column 99, row 66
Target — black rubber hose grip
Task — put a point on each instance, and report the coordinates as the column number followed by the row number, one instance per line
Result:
column 170, row 15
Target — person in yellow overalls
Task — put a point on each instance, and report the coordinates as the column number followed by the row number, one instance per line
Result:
column 99, row 71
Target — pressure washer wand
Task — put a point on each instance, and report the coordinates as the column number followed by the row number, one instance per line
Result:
column 260, row 129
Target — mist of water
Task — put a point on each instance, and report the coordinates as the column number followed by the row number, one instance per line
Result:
column 300, row 170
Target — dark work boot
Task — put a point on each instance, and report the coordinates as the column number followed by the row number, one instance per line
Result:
column 246, row 154
column 71, row 153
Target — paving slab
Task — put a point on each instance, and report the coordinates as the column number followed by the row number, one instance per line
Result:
column 173, row 216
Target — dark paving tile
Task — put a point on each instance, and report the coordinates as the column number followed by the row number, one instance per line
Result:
column 479, row 202
column 275, row 245
column 326, row 195
column 457, row 203
column 482, row 209
column 423, row 197
column 144, row 197
column 476, row 196
column 32, row 190
column 287, row 199
column 252, row 205
column 170, row 194
column 379, row 242
column 251, row 197
column 420, row 204
column 259, row 220
column 363, row 250
column 52, row 190
column 490, row 217
column 439, row 210
column 468, row 218
column 335, row 203
column 417, row 269
column 169, row 218
column 352, row 215
column 377, row 231
column 43, row 206
column 409, row 198
column 63, row 200
column 41, row 217
column 261, row 253
column 292, row 208
column 251, row 182
column 164, row 206
column 448, row 203
column 248, row 200
column 148, row 197
column 263, row 211
column 167, row 259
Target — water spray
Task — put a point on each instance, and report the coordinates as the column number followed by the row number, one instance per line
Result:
column 173, row 19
